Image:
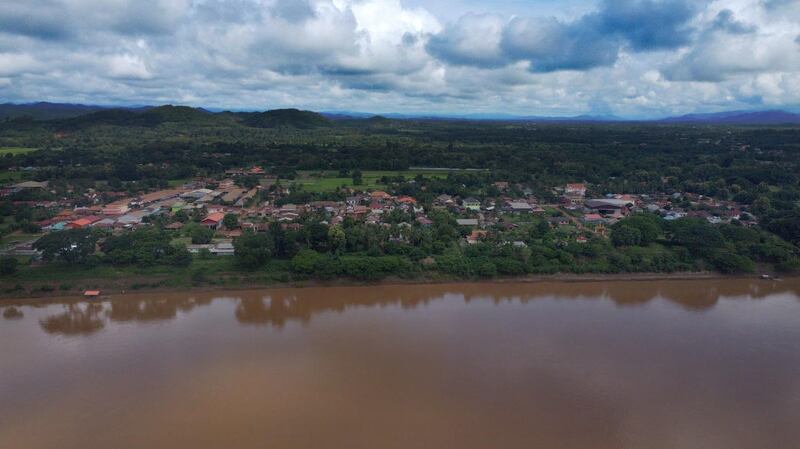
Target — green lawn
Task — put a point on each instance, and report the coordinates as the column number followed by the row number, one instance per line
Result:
column 10, row 176
column 17, row 237
column 15, row 150
column 329, row 181
column 178, row 182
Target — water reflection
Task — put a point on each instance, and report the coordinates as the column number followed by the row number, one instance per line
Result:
column 152, row 309
column 77, row 319
column 280, row 306
column 12, row 313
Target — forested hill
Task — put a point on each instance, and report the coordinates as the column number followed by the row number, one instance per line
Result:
column 292, row 118
column 184, row 116
column 45, row 111
column 149, row 117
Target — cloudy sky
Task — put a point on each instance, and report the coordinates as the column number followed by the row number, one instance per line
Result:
column 631, row 58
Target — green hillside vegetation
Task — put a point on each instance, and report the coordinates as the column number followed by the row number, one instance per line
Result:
column 44, row 111
column 148, row 118
column 291, row 118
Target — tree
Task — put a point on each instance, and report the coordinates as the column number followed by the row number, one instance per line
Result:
column 145, row 247
column 357, row 178
column 337, row 238
column 649, row 227
column 730, row 263
column 8, row 266
column 231, row 221
column 253, row 250
column 762, row 205
column 306, row 261
column 72, row 246
column 626, row 236
column 200, row 235
column 181, row 216
column 179, row 256
column 542, row 228
column 697, row 236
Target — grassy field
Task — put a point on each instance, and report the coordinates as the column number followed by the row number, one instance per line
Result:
column 17, row 237
column 10, row 176
column 329, row 181
column 178, row 182
column 15, row 150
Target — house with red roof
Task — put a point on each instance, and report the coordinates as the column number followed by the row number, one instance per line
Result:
column 83, row 222
column 213, row 221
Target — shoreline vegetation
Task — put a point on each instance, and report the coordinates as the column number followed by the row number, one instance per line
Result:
column 155, row 286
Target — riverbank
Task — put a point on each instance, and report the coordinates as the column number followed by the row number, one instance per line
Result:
column 140, row 285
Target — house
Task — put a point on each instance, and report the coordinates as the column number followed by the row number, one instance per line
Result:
column 501, row 185
column 196, row 248
column 575, row 190
column 116, row 208
column 83, row 222
column 105, row 223
column 56, row 226
column 476, row 236
column 574, row 193
column 160, row 195
column 380, row 195
column 232, row 195
column 609, row 206
column 519, row 207
column 223, row 249
column 195, row 195
column 443, row 200
column 406, row 200
column 558, row 221
column 593, row 219
column 30, row 185
column 424, row 221
column 471, row 204
column 213, row 221
column 467, row 221
column 174, row 226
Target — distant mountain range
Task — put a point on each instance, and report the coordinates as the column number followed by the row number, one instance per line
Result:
column 774, row 117
column 78, row 115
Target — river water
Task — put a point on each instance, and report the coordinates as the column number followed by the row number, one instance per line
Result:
column 641, row 365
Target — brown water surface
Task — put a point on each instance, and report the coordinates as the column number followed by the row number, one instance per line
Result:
column 640, row 365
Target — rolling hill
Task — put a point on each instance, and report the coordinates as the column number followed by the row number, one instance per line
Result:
column 285, row 118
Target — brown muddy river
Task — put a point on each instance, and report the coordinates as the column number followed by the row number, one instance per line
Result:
column 640, row 365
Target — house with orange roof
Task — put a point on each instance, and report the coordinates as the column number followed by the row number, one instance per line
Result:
column 212, row 221
column 406, row 200
column 116, row 208
column 476, row 236
column 83, row 222
column 380, row 195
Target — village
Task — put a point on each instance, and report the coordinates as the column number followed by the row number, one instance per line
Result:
column 229, row 209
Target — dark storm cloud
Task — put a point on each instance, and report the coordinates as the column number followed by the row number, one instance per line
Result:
column 41, row 21
column 725, row 21
column 550, row 44
column 647, row 24
column 293, row 10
